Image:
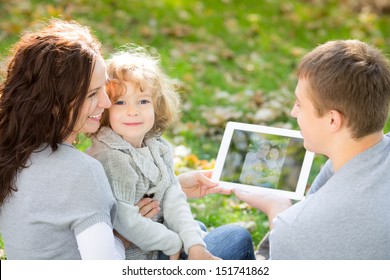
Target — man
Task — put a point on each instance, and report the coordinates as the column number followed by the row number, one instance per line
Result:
column 342, row 103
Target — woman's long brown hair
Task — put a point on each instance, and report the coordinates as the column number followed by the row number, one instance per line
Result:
column 44, row 87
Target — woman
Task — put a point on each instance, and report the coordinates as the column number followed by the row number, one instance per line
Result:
column 56, row 202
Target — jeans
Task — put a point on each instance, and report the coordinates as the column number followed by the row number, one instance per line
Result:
column 228, row 242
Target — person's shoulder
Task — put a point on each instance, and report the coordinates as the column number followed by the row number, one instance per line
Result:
column 386, row 143
column 161, row 146
column 69, row 152
column 74, row 159
column 97, row 147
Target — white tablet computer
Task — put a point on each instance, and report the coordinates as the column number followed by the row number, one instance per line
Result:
column 255, row 157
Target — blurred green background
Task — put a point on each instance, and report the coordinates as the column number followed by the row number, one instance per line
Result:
column 233, row 60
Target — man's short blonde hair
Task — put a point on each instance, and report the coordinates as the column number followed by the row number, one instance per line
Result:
column 353, row 78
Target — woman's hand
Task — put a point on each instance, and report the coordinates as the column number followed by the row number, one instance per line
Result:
column 197, row 184
column 148, row 207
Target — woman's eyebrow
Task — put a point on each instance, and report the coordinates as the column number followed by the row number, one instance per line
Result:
column 94, row 89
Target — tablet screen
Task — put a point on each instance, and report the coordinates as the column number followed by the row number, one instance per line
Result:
column 258, row 156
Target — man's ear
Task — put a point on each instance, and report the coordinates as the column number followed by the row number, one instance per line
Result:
column 336, row 120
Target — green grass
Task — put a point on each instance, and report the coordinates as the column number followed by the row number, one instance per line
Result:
column 231, row 59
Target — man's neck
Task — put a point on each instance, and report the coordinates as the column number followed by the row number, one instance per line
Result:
column 347, row 148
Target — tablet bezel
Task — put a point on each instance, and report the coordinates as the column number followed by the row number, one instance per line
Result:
column 224, row 148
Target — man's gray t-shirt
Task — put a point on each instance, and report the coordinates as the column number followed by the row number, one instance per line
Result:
column 346, row 215
column 59, row 195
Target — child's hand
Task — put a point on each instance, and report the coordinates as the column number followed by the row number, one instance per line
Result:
column 198, row 252
column 175, row 256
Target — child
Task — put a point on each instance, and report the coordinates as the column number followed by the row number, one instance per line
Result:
column 139, row 162
column 342, row 103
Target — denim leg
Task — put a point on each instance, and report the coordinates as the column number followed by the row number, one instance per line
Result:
column 230, row 242
column 162, row 256
column 202, row 226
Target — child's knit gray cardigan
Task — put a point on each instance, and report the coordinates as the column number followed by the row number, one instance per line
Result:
column 132, row 174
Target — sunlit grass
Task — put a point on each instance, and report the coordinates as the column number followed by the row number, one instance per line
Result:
column 231, row 59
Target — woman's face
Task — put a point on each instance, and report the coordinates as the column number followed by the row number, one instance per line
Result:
column 274, row 153
column 95, row 103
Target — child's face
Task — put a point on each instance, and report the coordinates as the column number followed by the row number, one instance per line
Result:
column 263, row 151
column 312, row 127
column 132, row 114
